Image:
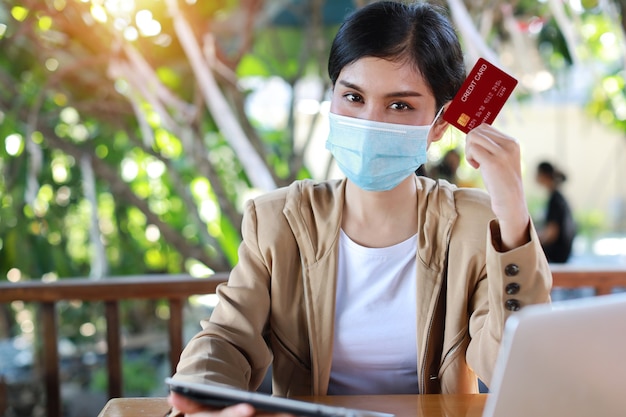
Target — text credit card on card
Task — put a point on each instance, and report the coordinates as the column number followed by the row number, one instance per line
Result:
column 481, row 97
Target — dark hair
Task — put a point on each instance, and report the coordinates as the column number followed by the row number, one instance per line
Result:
column 547, row 169
column 419, row 33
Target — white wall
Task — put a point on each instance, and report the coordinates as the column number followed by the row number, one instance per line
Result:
column 592, row 155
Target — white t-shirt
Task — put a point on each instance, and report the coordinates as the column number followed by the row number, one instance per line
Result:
column 375, row 346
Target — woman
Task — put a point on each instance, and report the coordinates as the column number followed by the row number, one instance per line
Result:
column 559, row 229
column 384, row 282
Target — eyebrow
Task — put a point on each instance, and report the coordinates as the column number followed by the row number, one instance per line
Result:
column 407, row 93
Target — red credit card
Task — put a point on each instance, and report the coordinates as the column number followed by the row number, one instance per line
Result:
column 481, row 97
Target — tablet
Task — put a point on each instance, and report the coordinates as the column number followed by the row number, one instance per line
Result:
column 220, row 396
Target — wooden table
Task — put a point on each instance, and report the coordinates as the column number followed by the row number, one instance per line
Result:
column 457, row 405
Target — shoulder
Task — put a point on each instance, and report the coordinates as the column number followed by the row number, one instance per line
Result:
column 299, row 192
column 473, row 199
column 462, row 199
column 304, row 215
column 474, row 213
column 303, row 202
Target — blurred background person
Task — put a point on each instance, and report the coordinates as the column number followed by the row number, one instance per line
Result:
column 559, row 228
column 448, row 168
column 444, row 169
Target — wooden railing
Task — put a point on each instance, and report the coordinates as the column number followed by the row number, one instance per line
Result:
column 177, row 289
column 174, row 288
column 603, row 279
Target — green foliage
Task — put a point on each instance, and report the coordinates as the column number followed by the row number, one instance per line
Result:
column 139, row 376
column 553, row 47
column 607, row 100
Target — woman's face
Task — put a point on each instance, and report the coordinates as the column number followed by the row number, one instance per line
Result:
column 384, row 91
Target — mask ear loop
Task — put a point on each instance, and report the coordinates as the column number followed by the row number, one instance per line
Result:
column 449, row 131
column 437, row 116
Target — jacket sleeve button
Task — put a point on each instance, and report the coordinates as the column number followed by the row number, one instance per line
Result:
column 511, row 270
column 512, row 305
column 512, row 288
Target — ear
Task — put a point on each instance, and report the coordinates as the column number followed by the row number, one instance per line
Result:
column 440, row 126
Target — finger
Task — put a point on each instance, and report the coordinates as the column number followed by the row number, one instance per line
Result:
column 486, row 144
column 475, row 154
column 470, row 159
column 239, row 410
column 478, row 147
column 495, row 134
column 486, row 141
column 193, row 409
column 493, row 140
column 184, row 404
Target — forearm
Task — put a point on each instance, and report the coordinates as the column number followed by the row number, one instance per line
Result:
column 515, row 279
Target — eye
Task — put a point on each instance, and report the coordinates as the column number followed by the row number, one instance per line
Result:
column 355, row 98
column 401, row 106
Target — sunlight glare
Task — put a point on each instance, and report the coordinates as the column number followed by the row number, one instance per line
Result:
column 611, row 85
column 163, row 40
column 119, row 7
column 59, row 5
column 51, row 64
column 308, row 106
column 155, row 169
column 608, row 40
column 99, row 13
column 146, row 24
column 208, row 211
column 131, row 34
column 27, row 326
column 200, row 187
column 19, row 13
column 79, row 132
column 59, row 173
column 120, row 23
column 50, row 277
column 122, row 87
column 197, row 269
column 44, row 23
column 610, row 246
column 162, row 312
column 13, row 144
column 576, row 6
column 87, row 329
column 209, row 300
column 63, row 195
column 69, row 115
column 620, row 111
column 130, row 170
column 14, row 275
column 153, row 234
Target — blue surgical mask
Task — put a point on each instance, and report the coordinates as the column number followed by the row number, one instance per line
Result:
column 377, row 156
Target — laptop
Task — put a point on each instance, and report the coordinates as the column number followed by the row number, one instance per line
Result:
column 565, row 359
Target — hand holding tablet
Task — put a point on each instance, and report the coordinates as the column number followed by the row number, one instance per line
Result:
column 220, row 397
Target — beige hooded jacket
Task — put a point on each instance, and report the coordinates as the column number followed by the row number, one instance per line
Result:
column 278, row 305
